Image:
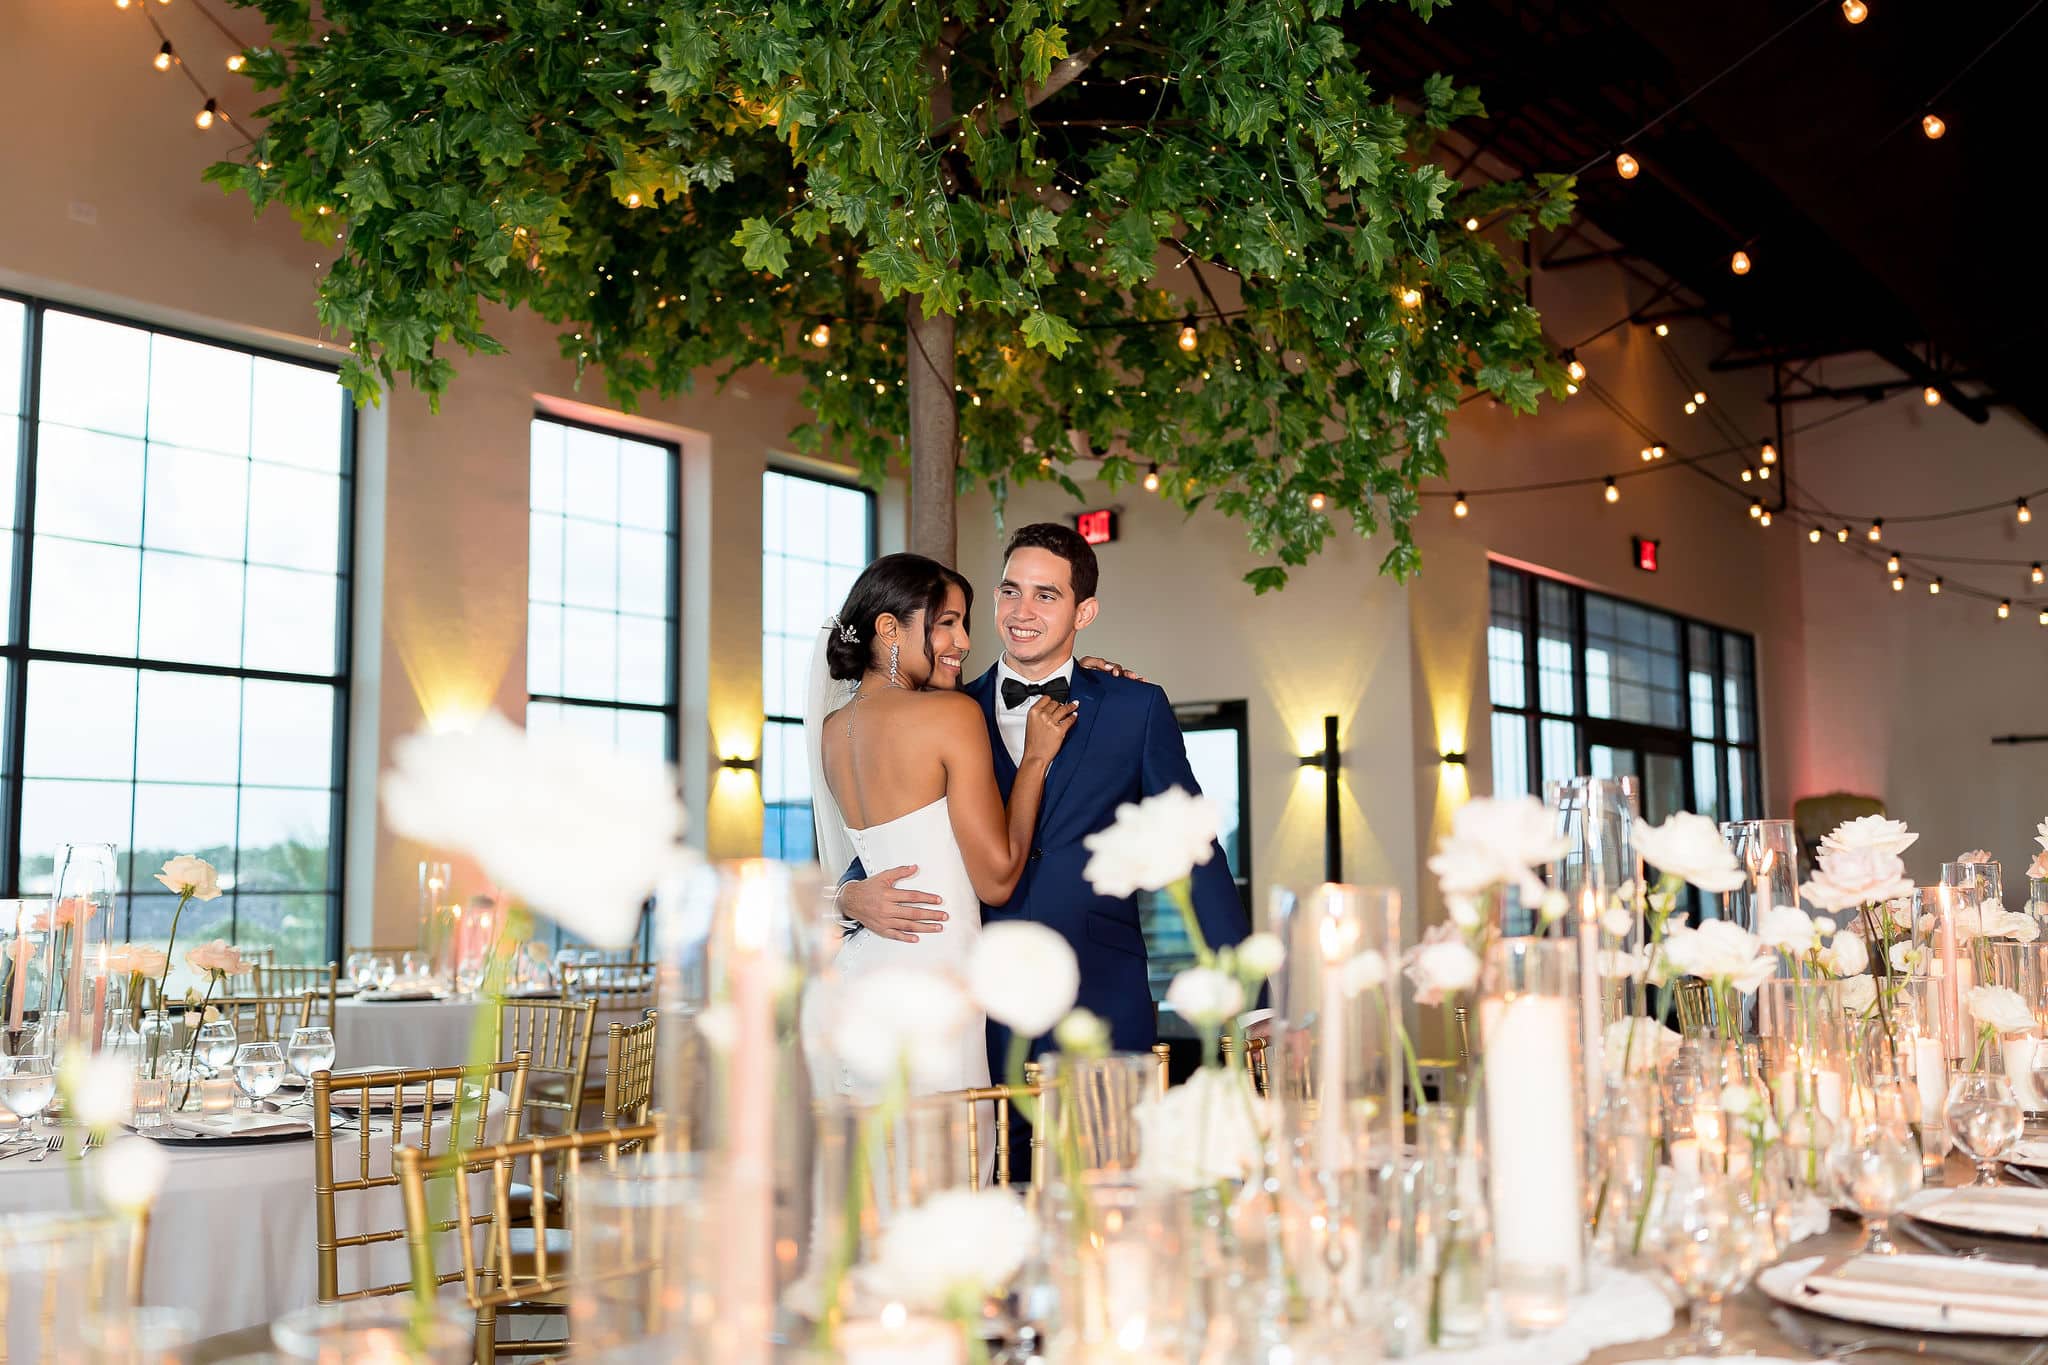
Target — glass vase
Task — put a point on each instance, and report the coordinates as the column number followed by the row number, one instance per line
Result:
column 1768, row 853
column 1948, row 918
column 1088, row 1113
column 1536, row 1120
column 1985, row 881
column 81, row 923
column 631, row 1220
column 2037, row 899
column 1803, row 1031
column 1600, row 876
column 2021, row 968
column 1448, row 1267
column 1625, row 1137
column 1129, row 1286
column 59, row 1273
column 24, row 961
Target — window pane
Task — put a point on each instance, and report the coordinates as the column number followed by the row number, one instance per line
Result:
column 644, row 486
column 283, row 840
column 192, row 609
column 197, row 503
column 188, row 728
column 294, row 518
column 545, row 452
column 299, row 415
column 287, row 734
column 1510, row 756
column 643, row 660
column 291, row 622
column 173, row 819
column 13, row 333
column 1560, row 750
column 590, row 475
column 88, row 485
column 95, row 374
column 1505, row 679
column 198, row 395
column 57, row 812
column 1706, row 779
column 81, row 723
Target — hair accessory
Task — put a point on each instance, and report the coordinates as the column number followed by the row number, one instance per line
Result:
column 846, row 632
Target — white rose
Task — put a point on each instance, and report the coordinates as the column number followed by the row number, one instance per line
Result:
column 1200, row 1132
column 98, row 1088
column 1553, row 907
column 1620, row 962
column 186, row 874
column 1366, row 971
column 129, row 1171
column 1845, row 955
column 1738, row 1099
column 1204, row 996
column 1617, row 921
column 1859, row 994
column 1463, row 911
column 2041, row 834
column 1644, row 1042
column 1691, row 847
column 1788, row 929
column 2001, row 1009
column 957, row 1244
column 1023, row 975
column 1152, row 845
column 1261, row 955
column 1850, row 877
column 1442, row 967
column 1082, row 1034
column 1717, row 949
column 1869, row 833
column 2016, row 925
column 1497, row 841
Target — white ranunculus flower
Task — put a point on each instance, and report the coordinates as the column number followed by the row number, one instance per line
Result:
column 128, row 1172
column 1859, row 993
column 1553, row 907
column 1463, row 911
column 98, row 1088
column 1082, row 1033
column 1618, row 921
column 1715, row 948
column 1788, row 929
column 1623, row 963
column 579, row 831
column 2016, row 925
column 1846, row 955
column 1152, row 845
column 1204, row 996
column 1904, row 957
column 1023, row 975
column 1739, row 1099
column 896, row 1016
column 957, row 1244
column 1261, row 955
column 1441, row 966
column 1998, row 1008
column 1690, row 846
column 1869, row 834
column 186, row 874
column 1207, row 1129
column 1853, row 877
column 1366, row 971
column 1644, row 1042
column 1494, row 842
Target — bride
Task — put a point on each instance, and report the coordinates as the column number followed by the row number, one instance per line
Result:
column 902, row 772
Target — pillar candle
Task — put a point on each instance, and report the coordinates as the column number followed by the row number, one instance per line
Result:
column 1685, row 1157
column 1533, row 1163
column 1330, row 1073
column 1930, row 1074
column 1827, row 1094
column 747, row 1302
column 898, row 1338
column 2019, row 1069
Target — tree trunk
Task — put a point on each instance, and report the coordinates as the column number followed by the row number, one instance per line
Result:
column 934, row 434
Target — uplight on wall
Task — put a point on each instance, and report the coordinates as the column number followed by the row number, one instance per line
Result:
column 1331, row 760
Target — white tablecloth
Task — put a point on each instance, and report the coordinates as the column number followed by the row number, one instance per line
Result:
column 233, row 1235
column 422, row 1033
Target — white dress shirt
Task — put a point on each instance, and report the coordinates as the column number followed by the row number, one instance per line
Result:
column 1010, row 721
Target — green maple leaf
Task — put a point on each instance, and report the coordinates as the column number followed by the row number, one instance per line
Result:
column 1041, row 48
column 763, row 246
column 1050, row 333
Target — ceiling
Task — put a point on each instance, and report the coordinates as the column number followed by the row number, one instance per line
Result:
column 1866, row 236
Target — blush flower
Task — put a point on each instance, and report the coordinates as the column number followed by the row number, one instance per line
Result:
column 1854, row 877
column 1996, row 1007
column 1207, row 1129
column 218, row 956
column 1204, row 996
column 186, row 875
column 1442, row 966
column 1497, row 842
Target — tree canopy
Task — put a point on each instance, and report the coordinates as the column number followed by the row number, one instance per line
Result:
column 1035, row 198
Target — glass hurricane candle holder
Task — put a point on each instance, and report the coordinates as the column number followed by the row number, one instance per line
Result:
column 1804, row 1035
column 1600, row 877
column 75, row 949
column 1768, row 853
column 643, row 1246
column 24, row 962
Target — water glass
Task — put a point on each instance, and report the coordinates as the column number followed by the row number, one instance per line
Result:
column 1709, row 1240
column 216, row 1042
column 1876, row 1167
column 1984, row 1120
column 386, row 973
column 412, row 966
column 28, row 1082
column 310, row 1050
column 259, row 1070
column 362, row 970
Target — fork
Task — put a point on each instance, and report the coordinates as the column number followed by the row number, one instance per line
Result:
column 50, row 1145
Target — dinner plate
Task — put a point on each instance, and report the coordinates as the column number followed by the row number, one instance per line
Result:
column 2006, row 1211
column 172, row 1135
column 1940, row 1294
column 401, row 996
column 2030, row 1152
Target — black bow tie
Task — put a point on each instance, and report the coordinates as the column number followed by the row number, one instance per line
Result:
column 1016, row 692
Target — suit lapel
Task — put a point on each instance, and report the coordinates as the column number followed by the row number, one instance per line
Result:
column 1086, row 689
column 983, row 690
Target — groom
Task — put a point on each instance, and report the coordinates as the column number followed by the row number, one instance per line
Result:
column 1125, row 745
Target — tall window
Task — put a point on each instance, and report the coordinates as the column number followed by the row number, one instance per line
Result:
column 816, row 537
column 602, row 587
column 174, row 516
column 1585, row 683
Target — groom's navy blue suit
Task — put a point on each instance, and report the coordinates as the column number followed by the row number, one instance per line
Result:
column 1125, row 745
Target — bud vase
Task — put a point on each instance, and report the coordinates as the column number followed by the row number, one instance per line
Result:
column 1600, row 877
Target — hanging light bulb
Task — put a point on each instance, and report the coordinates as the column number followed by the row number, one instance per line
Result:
column 236, row 61
column 820, row 335
column 1934, row 587
column 2036, row 574
column 1769, row 454
column 1932, row 125
column 2004, row 610
column 1814, row 535
column 1646, row 455
column 1691, row 407
column 1663, row 329
column 1471, row 225
column 1931, row 396
column 1315, row 502
column 1763, row 472
column 1764, row 520
column 1898, row 582
column 1876, row 531
column 1411, row 297
column 1699, row 397
column 1573, row 368
column 2023, row 513
column 1152, row 478
column 1656, row 452
column 1612, row 494
column 123, row 4
column 162, row 60
column 1747, row 473
column 1891, row 565
column 1842, row 535
column 204, row 118
column 1756, row 509
column 1855, row 11
column 1460, row 508
column 2044, row 618
column 1189, row 338
column 1739, row 263
column 633, row 199
column 1627, row 167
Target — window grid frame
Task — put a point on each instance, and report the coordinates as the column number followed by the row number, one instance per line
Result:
column 1589, row 730
column 668, row 709
column 773, row 813
column 17, row 653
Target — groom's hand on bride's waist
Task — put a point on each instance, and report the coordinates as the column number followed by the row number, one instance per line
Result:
column 878, row 904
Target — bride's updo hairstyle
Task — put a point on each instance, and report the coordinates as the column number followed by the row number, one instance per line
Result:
column 898, row 585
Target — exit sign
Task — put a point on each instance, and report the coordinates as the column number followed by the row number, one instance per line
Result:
column 1646, row 554
column 1097, row 527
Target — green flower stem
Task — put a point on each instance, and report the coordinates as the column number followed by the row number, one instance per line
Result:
column 192, row 1047
column 1181, row 893
column 169, row 944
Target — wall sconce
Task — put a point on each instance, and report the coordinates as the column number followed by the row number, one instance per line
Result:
column 1456, row 756
column 749, row 765
column 1331, row 761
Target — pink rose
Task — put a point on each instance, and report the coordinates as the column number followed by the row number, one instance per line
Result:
column 72, row 910
column 217, row 956
column 1975, row 855
column 2038, row 867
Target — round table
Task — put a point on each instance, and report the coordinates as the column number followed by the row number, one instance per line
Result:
column 233, row 1237
column 410, row 1033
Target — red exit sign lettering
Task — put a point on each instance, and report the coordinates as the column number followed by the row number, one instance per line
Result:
column 1097, row 527
column 1646, row 554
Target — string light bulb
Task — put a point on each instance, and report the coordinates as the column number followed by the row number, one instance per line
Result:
column 236, row 61
column 1764, row 520
column 1189, row 337
column 1842, row 535
column 1855, row 11
column 1747, row 473
column 1932, row 125
column 1769, row 454
column 1756, row 510
column 1891, row 564
column 1656, row 452
column 1663, row 329
column 1691, row 407
column 1898, row 582
column 1152, row 478
column 2036, row 574
column 1813, row 536
column 1612, row 494
column 162, row 60
column 1627, row 167
column 2004, row 610
column 1315, row 502
column 633, row 199
column 1646, row 455
column 2023, row 513
column 2044, row 618
column 1699, row 396
column 1763, row 472
column 1471, row 225
column 1574, row 368
column 1876, row 531
column 1739, row 263
column 1461, row 508
column 1934, row 587
column 204, row 118
column 1411, row 297
column 820, row 335
column 1931, row 396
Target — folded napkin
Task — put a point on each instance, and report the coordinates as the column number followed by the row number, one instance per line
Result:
column 234, row 1125
column 1963, row 1295
column 2029, row 1152
column 2007, row 1211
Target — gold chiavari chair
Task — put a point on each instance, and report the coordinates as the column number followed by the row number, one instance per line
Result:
column 1164, row 1054
column 629, row 1080
column 467, row 1130
column 266, row 1018
column 1255, row 1062
column 524, row 1263
column 1695, row 1006
column 296, row 978
column 1001, row 1098
column 556, row 1034
column 619, row 989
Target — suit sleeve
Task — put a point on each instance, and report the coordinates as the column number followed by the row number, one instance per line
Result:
column 1218, row 908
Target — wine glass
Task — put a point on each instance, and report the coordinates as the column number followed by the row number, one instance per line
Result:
column 28, row 1082
column 1876, row 1167
column 310, row 1050
column 259, row 1070
column 412, row 966
column 362, row 970
column 387, row 972
column 216, row 1043
column 1984, row 1119
column 1709, row 1239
